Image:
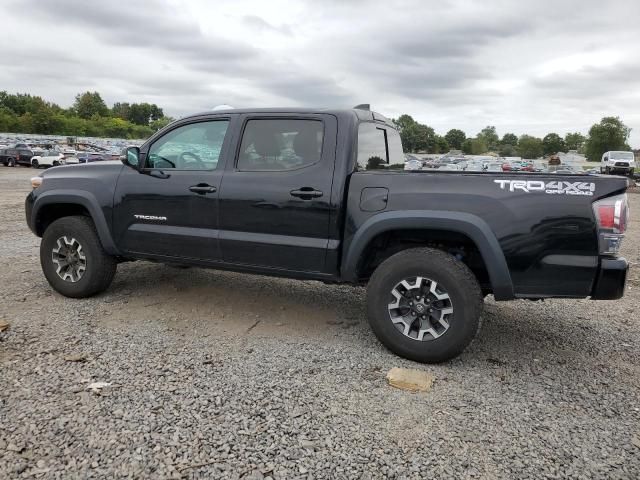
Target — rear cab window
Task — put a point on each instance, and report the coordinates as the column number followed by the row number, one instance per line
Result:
column 379, row 148
column 270, row 144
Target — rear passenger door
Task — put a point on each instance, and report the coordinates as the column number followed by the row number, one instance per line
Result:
column 275, row 195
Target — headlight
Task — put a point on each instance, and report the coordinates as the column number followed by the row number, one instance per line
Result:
column 36, row 182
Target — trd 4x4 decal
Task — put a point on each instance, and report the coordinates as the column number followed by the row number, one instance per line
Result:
column 554, row 187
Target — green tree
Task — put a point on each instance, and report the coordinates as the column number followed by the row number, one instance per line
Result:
column 455, row 138
column 88, row 104
column 415, row 136
column 441, row 145
column 144, row 113
column 530, row 147
column 160, row 123
column 553, row 143
column 375, row 163
column 610, row 134
column 474, row 146
column 490, row 137
column 574, row 141
column 507, row 150
column 121, row 110
column 509, row 139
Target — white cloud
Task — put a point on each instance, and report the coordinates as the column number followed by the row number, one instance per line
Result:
column 526, row 67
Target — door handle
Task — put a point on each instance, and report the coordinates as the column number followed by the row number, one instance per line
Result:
column 306, row 193
column 203, row 188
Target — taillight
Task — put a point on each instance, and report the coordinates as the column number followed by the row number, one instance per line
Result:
column 612, row 215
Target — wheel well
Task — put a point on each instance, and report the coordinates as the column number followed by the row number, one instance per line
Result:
column 50, row 213
column 457, row 244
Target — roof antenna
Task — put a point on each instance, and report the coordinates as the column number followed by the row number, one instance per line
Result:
column 363, row 106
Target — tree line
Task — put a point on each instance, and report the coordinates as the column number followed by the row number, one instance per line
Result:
column 89, row 116
column 609, row 134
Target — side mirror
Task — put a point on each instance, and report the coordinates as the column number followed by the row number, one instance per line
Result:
column 131, row 157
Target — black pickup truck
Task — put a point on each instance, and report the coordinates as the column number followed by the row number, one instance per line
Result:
column 323, row 195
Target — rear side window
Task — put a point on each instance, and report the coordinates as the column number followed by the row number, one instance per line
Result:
column 379, row 147
column 280, row 144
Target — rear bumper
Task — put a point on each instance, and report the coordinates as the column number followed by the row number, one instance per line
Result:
column 611, row 279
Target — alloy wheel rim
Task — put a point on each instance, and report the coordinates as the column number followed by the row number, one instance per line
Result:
column 420, row 308
column 69, row 259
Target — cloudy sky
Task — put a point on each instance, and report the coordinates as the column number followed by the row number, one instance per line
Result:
column 523, row 66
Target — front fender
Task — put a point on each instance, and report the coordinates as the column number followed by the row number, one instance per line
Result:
column 77, row 197
column 465, row 223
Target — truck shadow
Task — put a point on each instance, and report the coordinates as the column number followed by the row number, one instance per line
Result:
column 232, row 303
column 221, row 303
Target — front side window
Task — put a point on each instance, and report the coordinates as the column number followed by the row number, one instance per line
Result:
column 280, row 144
column 196, row 146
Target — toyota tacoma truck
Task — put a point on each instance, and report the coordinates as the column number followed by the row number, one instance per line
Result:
column 323, row 195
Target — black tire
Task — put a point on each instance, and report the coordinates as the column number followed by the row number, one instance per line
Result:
column 607, row 170
column 100, row 267
column 458, row 281
column 35, row 164
column 56, row 163
column 11, row 162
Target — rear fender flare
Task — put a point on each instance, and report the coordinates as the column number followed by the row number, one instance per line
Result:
column 465, row 223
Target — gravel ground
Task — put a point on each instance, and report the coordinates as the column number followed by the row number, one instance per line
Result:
column 222, row 375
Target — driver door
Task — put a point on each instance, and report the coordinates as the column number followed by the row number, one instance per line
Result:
column 170, row 208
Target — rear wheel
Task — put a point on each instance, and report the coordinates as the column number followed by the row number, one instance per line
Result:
column 56, row 163
column 424, row 305
column 73, row 260
column 11, row 162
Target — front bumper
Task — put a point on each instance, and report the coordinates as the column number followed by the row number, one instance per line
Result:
column 611, row 280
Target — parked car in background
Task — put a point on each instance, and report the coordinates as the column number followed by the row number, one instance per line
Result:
column 451, row 167
column 508, row 167
column 12, row 156
column 89, row 157
column 494, row 167
column 413, row 164
column 474, row 167
column 47, row 158
column 617, row 162
column 526, row 167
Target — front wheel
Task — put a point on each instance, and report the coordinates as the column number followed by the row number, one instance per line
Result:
column 73, row 260
column 425, row 305
column 35, row 164
column 11, row 162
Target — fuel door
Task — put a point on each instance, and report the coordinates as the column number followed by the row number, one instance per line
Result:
column 374, row 199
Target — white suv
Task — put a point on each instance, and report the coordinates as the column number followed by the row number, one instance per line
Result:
column 47, row 158
column 617, row 162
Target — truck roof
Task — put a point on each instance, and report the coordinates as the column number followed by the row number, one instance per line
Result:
column 361, row 114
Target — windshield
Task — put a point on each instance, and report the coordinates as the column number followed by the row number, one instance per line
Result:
column 621, row 155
